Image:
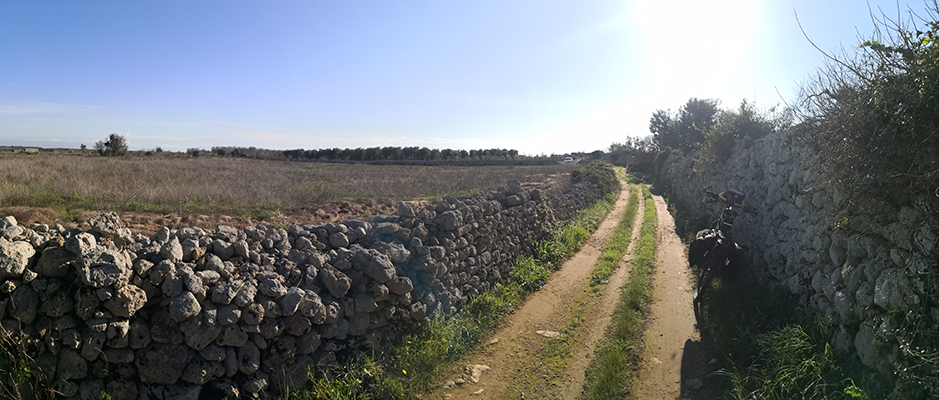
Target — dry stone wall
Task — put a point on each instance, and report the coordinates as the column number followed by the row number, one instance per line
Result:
column 856, row 269
column 227, row 312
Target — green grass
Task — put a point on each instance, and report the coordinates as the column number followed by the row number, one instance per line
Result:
column 617, row 356
column 618, row 243
column 769, row 347
column 573, row 236
column 421, row 357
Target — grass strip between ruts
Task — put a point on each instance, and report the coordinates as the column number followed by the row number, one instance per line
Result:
column 618, row 244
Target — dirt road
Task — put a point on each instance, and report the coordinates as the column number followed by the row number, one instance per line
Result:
column 674, row 363
column 513, row 356
column 513, row 365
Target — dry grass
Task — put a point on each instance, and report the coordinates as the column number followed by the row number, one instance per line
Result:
column 70, row 184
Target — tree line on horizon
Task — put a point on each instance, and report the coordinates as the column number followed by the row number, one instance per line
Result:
column 387, row 153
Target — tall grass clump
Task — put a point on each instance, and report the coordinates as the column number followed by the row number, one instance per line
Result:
column 769, row 347
column 617, row 356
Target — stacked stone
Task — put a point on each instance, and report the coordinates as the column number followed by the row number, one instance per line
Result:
column 228, row 312
column 856, row 270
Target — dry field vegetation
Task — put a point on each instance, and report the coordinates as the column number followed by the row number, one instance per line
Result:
column 154, row 190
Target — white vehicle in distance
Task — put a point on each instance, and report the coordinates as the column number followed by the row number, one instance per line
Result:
column 568, row 160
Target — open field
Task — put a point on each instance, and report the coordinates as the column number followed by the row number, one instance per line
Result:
column 62, row 188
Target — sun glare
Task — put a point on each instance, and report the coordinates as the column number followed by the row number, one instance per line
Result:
column 689, row 42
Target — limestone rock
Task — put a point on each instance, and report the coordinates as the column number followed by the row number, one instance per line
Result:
column 126, row 301
column 272, row 288
column 71, row 365
column 172, row 250
column 184, row 306
column 81, row 243
column 249, row 358
column 200, row 371
column 104, row 267
column 374, row 264
column 24, row 303
column 54, row 262
column 338, row 240
column 335, row 281
column 162, row 363
column 290, row 302
column 14, row 258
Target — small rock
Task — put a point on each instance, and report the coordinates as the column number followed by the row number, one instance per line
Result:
column 184, row 306
column 81, row 243
column 14, row 258
column 126, row 301
column 550, row 334
column 694, row 384
column 172, row 250
column 476, row 371
column 162, row 363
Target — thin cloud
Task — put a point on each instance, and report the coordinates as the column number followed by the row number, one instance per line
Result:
column 39, row 107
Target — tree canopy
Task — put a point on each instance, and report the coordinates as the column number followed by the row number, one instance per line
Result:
column 115, row 145
column 684, row 129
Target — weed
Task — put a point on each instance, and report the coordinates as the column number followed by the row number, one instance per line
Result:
column 770, row 347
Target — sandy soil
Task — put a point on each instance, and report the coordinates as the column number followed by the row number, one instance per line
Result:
column 513, row 355
column 674, row 363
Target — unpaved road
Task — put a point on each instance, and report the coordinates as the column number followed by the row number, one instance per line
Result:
column 514, row 355
column 672, row 360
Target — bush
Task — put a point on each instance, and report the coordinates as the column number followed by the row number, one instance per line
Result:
column 684, row 130
column 600, row 172
column 116, row 145
column 746, row 122
column 875, row 114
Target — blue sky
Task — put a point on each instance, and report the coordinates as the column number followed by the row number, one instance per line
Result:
column 542, row 77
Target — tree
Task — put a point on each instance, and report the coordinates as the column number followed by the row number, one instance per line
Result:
column 684, row 130
column 115, row 146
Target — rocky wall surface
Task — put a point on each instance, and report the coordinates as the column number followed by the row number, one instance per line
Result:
column 856, row 269
column 227, row 312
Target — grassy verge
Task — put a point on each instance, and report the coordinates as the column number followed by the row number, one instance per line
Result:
column 769, row 347
column 617, row 356
column 420, row 359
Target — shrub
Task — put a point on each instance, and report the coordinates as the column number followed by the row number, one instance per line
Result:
column 746, row 122
column 876, row 113
column 600, row 172
column 115, row 145
column 684, row 130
